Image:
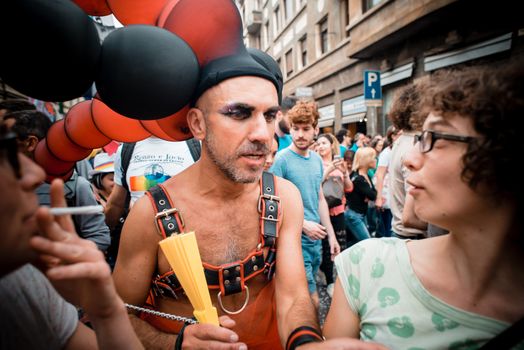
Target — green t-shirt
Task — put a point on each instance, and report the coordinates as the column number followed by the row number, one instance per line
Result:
column 396, row 310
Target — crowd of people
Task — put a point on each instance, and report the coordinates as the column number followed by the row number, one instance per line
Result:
column 416, row 233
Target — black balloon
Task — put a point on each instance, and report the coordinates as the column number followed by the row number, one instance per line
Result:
column 146, row 72
column 50, row 48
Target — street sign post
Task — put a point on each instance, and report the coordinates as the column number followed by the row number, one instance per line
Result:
column 372, row 98
column 372, row 88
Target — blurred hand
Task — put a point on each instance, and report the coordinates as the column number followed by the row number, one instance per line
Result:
column 314, row 230
column 75, row 266
column 334, row 247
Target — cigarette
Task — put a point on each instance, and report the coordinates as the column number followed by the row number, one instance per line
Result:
column 89, row 209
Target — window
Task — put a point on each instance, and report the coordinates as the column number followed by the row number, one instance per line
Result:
column 303, row 51
column 368, row 4
column 289, row 62
column 323, row 35
column 277, row 20
column 288, row 9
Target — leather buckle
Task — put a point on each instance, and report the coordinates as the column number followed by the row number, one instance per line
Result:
column 269, row 197
column 166, row 215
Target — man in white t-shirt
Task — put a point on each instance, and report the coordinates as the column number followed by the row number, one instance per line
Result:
column 151, row 162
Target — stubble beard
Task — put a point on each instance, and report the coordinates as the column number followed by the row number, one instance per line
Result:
column 227, row 164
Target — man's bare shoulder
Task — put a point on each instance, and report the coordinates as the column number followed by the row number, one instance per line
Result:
column 286, row 188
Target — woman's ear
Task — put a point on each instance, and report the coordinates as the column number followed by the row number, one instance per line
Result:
column 196, row 123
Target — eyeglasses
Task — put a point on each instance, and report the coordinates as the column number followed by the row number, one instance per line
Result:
column 428, row 137
column 9, row 148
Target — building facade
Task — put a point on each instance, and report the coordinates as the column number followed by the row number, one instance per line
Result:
column 324, row 46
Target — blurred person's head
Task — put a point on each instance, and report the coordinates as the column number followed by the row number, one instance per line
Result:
column 15, row 105
column 349, row 155
column 270, row 158
column 327, row 146
column 20, row 177
column 282, row 118
column 365, row 158
column 30, row 126
column 102, row 175
column 377, row 144
column 344, row 137
column 303, row 118
column 392, row 133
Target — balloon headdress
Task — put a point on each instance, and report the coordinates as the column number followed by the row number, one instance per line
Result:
column 147, row 73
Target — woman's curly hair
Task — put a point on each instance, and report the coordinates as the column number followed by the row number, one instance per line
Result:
column 493, row 98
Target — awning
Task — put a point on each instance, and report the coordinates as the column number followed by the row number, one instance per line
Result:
column 354, row 118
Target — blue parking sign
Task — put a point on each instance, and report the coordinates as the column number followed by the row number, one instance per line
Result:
column 372, row 88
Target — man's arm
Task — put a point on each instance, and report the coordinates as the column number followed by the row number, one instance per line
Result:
column 115, row 205
column 325, row 220
column 379, row 175
column 135, row 266
column 294, row 306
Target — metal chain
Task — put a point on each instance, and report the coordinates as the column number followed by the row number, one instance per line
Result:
column 162, row 314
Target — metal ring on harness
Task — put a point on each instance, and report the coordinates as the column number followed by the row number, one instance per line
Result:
column 219, row 297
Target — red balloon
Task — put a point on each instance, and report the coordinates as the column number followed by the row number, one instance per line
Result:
column 81, row 129
column 176, row 125
column 155, row 129
column 61, row 146
column 117, row 126
column 136, row 11
column 170, row 4
column 66, row 176
column 94, row 7
column 213, row 28
column 49, row 162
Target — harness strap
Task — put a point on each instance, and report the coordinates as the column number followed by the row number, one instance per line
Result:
column 228, row 278
column 268, row 207
column 167, row 219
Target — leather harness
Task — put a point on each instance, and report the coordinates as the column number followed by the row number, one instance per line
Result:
column 229, row 278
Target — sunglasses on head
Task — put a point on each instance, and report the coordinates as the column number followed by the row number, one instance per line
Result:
column 9, row 150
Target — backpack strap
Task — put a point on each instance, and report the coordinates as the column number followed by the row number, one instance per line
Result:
column 125, row 157
column 195, row 148
column 167, row 218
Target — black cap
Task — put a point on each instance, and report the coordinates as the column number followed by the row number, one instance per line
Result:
column 229, row 67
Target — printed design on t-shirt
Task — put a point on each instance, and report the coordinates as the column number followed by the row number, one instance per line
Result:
column 441, row 323
column 356, row 254
column 153, row 175
column 354, row 286
column 363, row 310
column 369, row 330
column 467, row 344
column 377, row 270
column 401, row 327
column 388, row 297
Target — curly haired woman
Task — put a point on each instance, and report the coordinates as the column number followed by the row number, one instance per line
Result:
column 462, row 289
